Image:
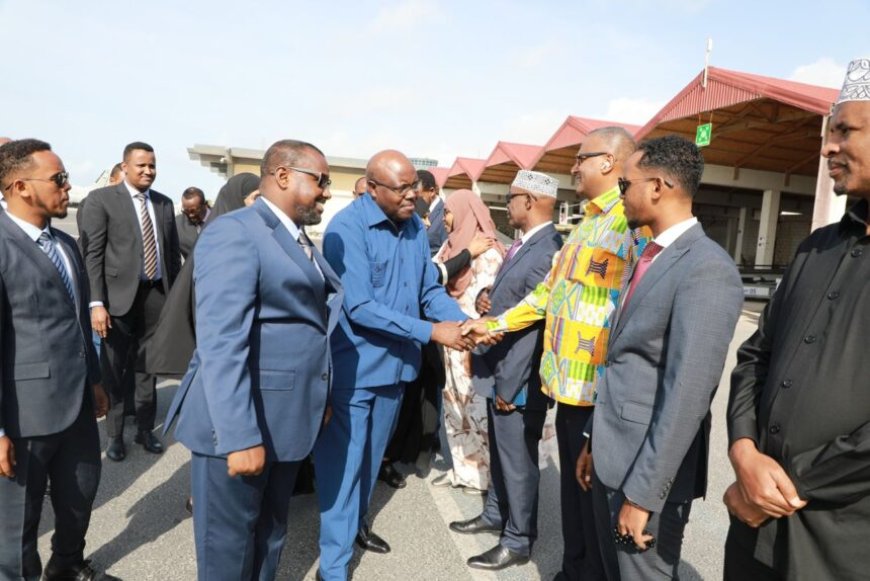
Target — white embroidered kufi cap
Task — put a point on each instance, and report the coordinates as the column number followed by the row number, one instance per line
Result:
column 536, row 183
column 856, row 87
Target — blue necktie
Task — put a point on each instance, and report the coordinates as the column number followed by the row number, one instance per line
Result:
column 47, row 244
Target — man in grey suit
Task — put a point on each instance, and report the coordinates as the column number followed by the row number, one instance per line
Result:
column 191, row 221
column 508, row 374
column 650, row 428
column 50, row 388
column 132, row 257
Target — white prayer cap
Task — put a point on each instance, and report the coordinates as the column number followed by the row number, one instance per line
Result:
column 536, row 183
column 856, row 87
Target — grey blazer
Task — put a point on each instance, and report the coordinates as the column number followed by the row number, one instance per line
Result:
column 113, row 245
column 511, row 366
column 48, row 358
column 651, row 425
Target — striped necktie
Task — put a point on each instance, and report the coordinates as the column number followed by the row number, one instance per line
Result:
column 306, row 245
column 47, row 244
column 149, row 244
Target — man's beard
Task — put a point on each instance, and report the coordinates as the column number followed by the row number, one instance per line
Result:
column 310, row 216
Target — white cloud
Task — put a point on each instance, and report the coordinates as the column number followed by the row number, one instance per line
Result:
column 404, row 15
column 632, row 110
column 825, row 72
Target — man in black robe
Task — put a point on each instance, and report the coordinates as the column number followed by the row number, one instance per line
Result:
column 799, row 411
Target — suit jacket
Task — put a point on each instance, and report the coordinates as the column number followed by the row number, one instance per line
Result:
column 436, row 232
column 48, row 359
column 187, row 235
column 113, row 250
column 510, row 368
column 665, row 358
column 262, row 368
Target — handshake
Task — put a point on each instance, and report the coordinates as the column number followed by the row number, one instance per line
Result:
column 464, row 336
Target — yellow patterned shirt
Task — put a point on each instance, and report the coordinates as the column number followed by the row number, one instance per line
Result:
column 578, row 300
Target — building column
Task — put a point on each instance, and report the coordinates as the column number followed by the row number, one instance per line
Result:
column 828, row 207
column 741, row 229
column 767, row 228
column 475, row 188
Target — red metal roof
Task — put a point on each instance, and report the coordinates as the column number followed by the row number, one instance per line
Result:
column 574, row 129
column 440, row 174
column 726, row 88
column 467, row 165
column 521, row 154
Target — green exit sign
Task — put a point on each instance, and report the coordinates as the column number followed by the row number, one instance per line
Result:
column 703, row 134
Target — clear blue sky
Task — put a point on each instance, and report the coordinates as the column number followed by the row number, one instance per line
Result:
column 433, row 78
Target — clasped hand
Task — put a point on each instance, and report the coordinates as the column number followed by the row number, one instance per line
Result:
column 477, row 331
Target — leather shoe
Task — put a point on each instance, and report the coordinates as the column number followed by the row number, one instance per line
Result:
column 391, row 476
column 497, row 558
column 81, row 572
column 473, row 525
column 369, row 541
column 149, row 441
column 116, row 451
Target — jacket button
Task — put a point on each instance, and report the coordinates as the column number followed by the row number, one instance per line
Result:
column 810, row 339
column 786, row 384
column 833, row 295
column 774, row 429
column 324, row 377
column 856, row 252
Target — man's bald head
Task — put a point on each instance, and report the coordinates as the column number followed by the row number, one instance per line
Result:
column 359, row 187
column 392, row 183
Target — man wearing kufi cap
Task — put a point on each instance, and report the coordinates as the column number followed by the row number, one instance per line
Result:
column 507, row 374
column 799, row 411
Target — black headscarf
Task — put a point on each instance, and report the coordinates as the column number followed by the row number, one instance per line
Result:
column 232, row 195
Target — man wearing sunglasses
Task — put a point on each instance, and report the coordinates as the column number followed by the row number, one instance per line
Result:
column 651, row 425
column 50, row 391
column 132, row 256
column 379, row 248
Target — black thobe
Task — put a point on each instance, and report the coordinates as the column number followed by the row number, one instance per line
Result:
column 801, row 391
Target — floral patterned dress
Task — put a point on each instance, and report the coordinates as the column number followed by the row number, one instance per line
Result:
column 465, row 409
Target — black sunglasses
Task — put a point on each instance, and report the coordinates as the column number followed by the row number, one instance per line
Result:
column 510, row 197
column 59, row 179
column 624, row 184
column 323, row 180
column 581, row 157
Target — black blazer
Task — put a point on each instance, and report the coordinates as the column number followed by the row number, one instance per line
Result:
column 187, row 235
column 113, row 249
column 48, row 358
column 512, row 365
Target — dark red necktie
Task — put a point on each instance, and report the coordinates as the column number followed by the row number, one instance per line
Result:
column 646, row 258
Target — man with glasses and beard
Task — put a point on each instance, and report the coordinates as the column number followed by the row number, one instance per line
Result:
column 254, row 397
column 50, row 389
column 378, row 245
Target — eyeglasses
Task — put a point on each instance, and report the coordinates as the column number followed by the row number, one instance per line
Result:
column 323, row 180
column 401, row 190
column 510, row 197
column 59, row 179
column 581, row 157
column 624, row 184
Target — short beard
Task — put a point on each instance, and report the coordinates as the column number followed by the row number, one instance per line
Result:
column 633, row 224
column 840, row 190
column 310, row 216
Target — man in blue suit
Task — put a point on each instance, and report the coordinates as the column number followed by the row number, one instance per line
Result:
column 379, row 247
column 431, row 194
column 254, row 397
column 508, row 374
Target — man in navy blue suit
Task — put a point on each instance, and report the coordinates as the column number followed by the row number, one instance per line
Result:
column 508, row 374
column 379, row 247
column 254, row 397
column 431, row 194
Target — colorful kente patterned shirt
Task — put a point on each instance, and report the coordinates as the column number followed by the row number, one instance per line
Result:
column 579, row 298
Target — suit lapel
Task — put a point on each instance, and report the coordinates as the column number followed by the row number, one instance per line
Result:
column 292, row 248
column 334, row 289
column 665, row 261
column 525, row 248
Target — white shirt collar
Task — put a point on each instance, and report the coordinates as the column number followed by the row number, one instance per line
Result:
column 134, row 192
column 527, row 236
column 284, row 218
column 434, row 203
column 32, row 231
column 670, row 235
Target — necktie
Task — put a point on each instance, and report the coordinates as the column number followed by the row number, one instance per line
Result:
column 149, row 244
column 306, row 245
column 47, row 244
column 646, row 258
column 511, row 252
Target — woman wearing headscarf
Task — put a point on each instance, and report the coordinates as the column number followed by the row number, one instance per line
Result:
column 466, row 216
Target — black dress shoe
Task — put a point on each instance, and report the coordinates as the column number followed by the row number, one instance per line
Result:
column 81, row 572
column 391, row 476
column 188, row 505
column 473, row 525
column 116, row 451
column 497, row 558
column 149, row 441
column 369, row 541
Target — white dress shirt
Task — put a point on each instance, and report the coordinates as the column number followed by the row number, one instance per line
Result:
column 670, row 235
column 291, row 226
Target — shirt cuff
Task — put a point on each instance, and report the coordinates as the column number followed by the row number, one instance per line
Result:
column 497, row 326
column 93, row 304
column 421, row 331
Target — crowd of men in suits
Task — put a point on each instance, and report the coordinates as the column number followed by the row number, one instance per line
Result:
column 626, row 325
